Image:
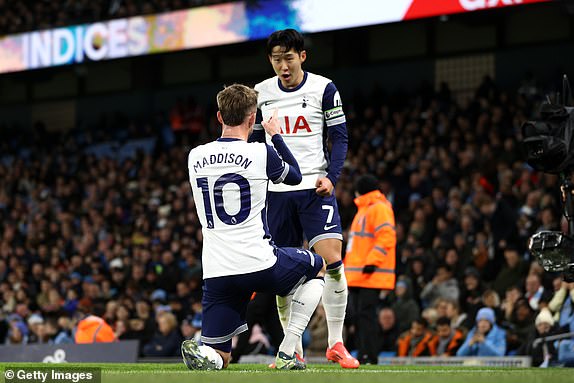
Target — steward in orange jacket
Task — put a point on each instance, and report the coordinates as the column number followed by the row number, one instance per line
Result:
column 369, row 263
column 372, row 242
column 94, row 329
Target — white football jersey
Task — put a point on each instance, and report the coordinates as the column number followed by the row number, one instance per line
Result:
column 303, row 112
column 229, row 183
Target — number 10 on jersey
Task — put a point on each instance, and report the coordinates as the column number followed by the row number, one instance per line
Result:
column 244, row 199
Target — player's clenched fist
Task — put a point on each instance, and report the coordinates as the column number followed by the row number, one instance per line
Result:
column 272, row 126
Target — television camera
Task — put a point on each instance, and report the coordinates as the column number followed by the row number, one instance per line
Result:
column 549, row 147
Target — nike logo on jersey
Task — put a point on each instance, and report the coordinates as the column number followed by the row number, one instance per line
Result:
column 339, row 291
column 329, row 227
column 267, row 103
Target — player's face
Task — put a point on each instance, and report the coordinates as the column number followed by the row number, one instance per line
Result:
column 287, row 65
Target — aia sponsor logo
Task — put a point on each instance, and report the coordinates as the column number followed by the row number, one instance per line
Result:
column 294, row 125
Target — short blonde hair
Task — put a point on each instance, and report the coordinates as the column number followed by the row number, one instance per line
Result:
column 170, row 319
column 235, row 103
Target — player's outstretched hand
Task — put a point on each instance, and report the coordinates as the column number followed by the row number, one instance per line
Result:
column 324, row 187
column 272, row 126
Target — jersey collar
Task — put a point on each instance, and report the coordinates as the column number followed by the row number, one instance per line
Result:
column 294, row 89
column 228, row 139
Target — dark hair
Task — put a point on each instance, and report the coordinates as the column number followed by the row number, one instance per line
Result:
column 514, row 287
column 366, row 184
column 445, row 266
column 422, row 321
column 286, row 38
column 443, row 321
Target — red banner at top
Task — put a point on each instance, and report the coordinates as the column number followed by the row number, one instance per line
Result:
column 427, row 8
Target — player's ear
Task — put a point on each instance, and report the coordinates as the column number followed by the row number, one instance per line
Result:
column 303, row 56
column 252, row 118
column 219, row 118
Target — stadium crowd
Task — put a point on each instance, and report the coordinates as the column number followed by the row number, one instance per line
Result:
column 83, row 233
column 26, row 15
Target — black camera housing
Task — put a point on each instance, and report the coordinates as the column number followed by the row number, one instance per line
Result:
column 548, row 141
column 549, row 148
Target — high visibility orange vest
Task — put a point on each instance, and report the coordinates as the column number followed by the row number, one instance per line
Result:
column 454, row 344
column 422, row 348
column 94, row 329
column 372, row 241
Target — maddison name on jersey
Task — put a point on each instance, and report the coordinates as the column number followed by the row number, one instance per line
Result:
column 221, row 158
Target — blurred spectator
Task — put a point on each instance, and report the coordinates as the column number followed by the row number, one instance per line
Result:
column 17, row 331
column 513, row 294
column 430, row 315
column 443, row 285
column 563, row 303
column 458, row 319
column 536, row 294
column 502, row 221
column 471, row 294
column 452, row 260
column 63, row 331
column 441, row 306
column 36, row 329
column 389, row 332
column 512, row 274
column 541, row 352
column 169, row 272
column 405, row 306
column 167, row 340
column 420, row 272
column 486, row 338
column 447, row 339
column 416, row 342
column 490, row 299
column 520, row 326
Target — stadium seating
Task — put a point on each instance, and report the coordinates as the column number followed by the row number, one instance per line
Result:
column 110, row 228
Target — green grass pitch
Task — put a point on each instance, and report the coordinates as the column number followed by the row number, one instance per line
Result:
column 316, row 373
